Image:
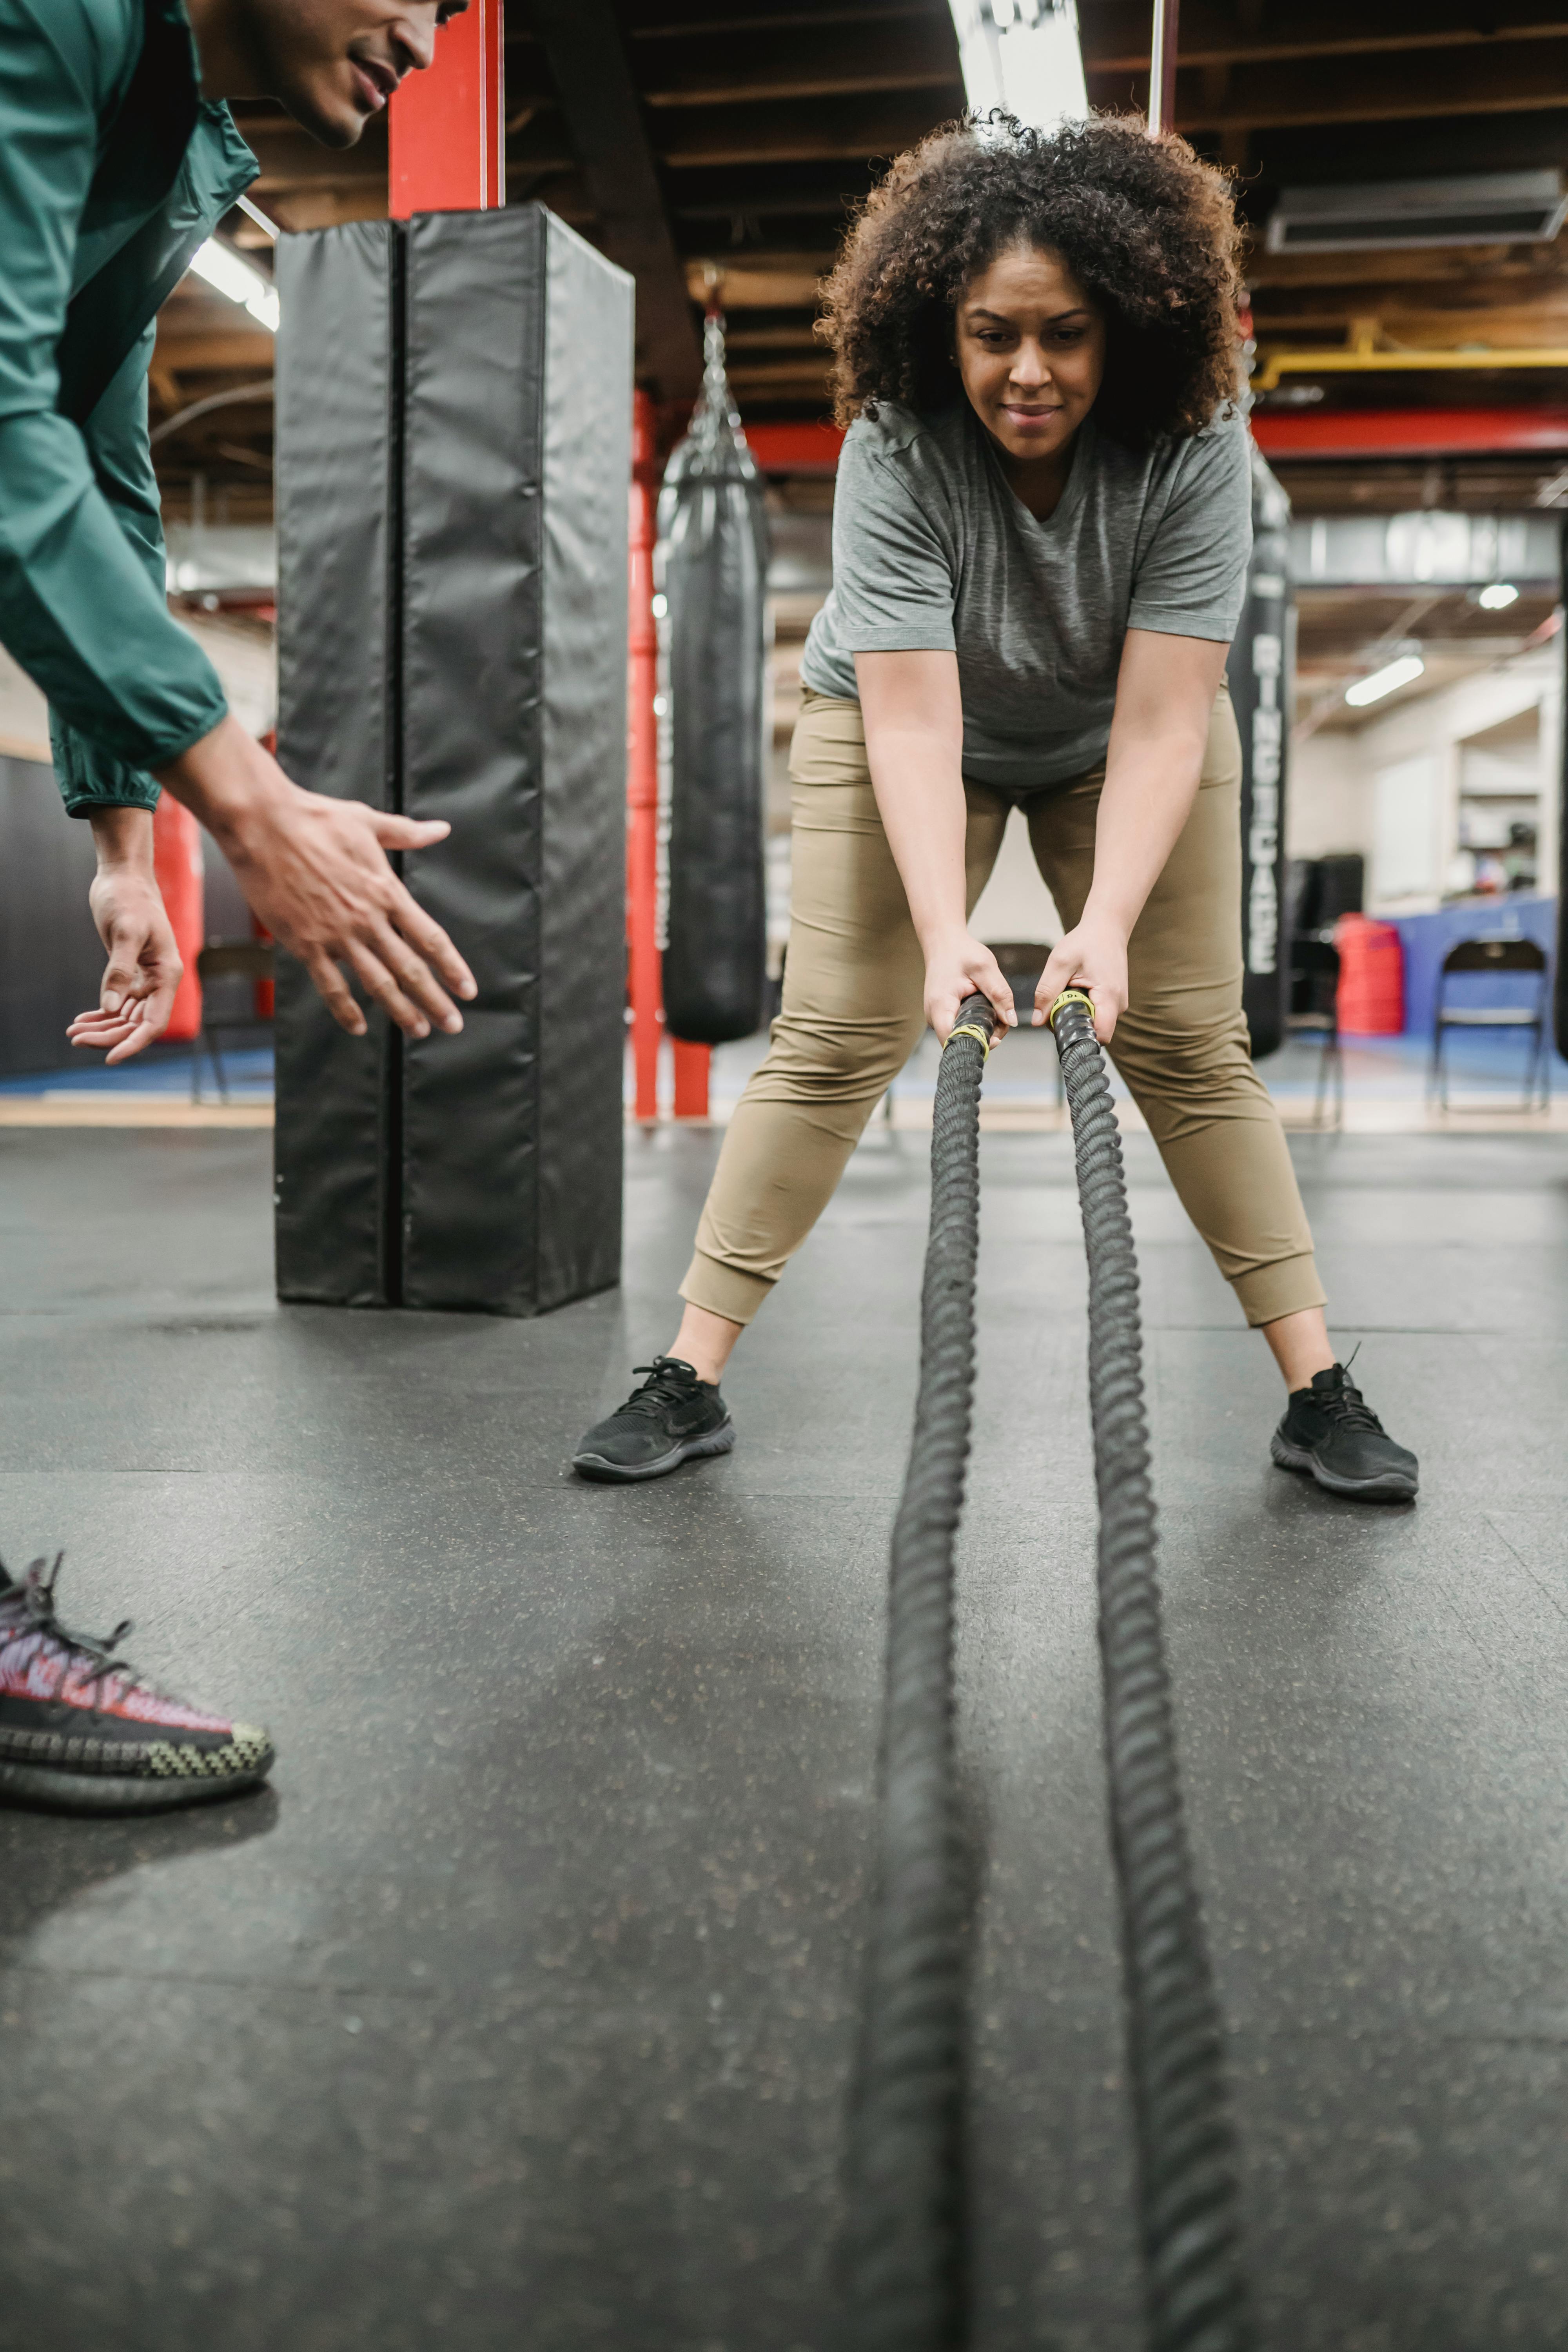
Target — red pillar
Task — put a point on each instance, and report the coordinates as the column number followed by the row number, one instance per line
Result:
column 691, row 1078
column 642, row 770
column 182, row 886
column 446, row 126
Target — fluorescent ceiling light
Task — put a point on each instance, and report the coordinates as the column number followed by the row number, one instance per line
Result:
column 1021, row 55
column 1386, row 680
column 1498, row 597
column 222, row 268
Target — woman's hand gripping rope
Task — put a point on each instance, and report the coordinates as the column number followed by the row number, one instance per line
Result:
column 961, row 968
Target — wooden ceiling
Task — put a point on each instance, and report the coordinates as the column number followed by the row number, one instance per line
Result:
column 691, row 136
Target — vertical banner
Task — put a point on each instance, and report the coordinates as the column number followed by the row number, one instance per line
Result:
column 1261, row 675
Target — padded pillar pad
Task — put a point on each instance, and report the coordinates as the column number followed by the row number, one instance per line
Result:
column 335, row 1160
column 505, row 652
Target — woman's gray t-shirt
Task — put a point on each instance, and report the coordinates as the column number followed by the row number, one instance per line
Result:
column 932, row 551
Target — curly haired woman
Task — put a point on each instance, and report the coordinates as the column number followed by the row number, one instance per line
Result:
column 1041, row 540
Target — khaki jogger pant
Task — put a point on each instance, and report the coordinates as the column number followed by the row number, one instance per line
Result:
column 853, row 1012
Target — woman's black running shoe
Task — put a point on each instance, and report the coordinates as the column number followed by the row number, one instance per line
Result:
column 1330, row 1431
column 673, row 1418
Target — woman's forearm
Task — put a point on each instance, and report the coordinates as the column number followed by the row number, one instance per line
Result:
column 1165, row 701
column 1151, row 784
column 914, row 747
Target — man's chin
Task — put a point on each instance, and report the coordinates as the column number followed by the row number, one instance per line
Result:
column 331, row 121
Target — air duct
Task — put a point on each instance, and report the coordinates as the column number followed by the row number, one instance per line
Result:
column 1485, row 209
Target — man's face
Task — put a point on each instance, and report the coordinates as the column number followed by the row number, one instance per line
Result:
column 335, row 63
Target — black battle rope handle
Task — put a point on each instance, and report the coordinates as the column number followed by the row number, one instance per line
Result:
column 905, row 2241
column 1186, row 2155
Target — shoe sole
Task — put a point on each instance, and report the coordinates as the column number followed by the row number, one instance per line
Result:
column 36, row 1786
column 690, row 1449
column 1388, row 1486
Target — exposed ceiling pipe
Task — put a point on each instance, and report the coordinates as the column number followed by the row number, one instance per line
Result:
column 1162, row 69
column 262, row 391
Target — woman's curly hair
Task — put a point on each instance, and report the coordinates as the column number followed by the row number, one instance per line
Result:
column 1147, row 228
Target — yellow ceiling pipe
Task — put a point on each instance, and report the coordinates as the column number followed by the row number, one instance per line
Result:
column 1365, row 361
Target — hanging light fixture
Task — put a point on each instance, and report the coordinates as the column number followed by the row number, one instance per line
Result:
column 1024, row 56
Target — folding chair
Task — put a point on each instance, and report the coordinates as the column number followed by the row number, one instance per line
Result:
column 1493, row 955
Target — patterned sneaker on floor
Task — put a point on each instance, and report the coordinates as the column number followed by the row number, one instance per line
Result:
column 82, row 1732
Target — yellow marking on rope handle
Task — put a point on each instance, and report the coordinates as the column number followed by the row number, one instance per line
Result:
column 1072, row 996
column 969, row 1029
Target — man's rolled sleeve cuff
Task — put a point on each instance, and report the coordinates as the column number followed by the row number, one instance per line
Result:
column 90, row 778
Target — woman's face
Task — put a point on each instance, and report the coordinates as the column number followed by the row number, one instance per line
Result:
column 1030, row 347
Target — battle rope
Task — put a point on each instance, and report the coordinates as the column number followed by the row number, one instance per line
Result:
column 905, row 2242
column 905, row 2246
column 1187, row 2192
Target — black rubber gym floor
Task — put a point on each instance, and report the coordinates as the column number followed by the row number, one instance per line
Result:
column 520, row 2011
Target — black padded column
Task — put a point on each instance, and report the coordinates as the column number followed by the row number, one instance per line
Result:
column 339, row 464
column 504, row 646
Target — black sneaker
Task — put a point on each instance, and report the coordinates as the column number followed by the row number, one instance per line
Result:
column 1331, row 1432
column 81, row 1732
column 673, row 1418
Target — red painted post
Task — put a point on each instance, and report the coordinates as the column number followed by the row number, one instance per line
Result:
column 692, row 1065
column 642, row 770
column 182, row 886
column 446, row 126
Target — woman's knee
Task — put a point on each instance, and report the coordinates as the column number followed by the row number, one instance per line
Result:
column 819, row 1059
column 1186, row 1051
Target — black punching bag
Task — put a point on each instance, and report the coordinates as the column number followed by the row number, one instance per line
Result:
column 1261, row 672
column 713, row 545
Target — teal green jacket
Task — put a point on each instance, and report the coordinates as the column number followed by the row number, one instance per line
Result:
column 112, row 171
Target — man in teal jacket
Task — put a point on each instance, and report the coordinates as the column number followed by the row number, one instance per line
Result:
column 118, row 157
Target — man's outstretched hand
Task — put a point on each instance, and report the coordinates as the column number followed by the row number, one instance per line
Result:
column 144, row 969
column 315, row 873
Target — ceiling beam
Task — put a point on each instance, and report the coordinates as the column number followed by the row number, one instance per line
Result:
column 769, row 282
column 1384, row 86
column 581, row 42
column 1434, row 266
column 1115, row 32
column 791, row 130
column 738, row 69
column 656, row 20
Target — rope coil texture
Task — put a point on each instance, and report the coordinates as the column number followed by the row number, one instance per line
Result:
column 905, row 2247
column 905, row 2244
column 1188, row 2213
